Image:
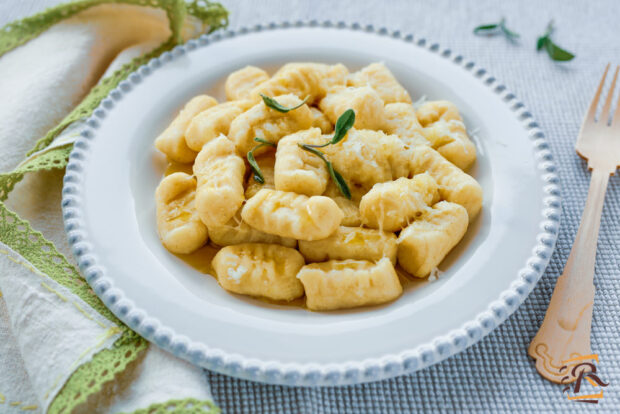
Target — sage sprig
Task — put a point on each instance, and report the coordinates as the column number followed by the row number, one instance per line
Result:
column 338, row 179
column 258, row 175
column 343, row 125
column 273, row 104
column 495, row 28
column 554, row 51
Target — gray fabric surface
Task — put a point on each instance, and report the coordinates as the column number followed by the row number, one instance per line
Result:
column 495, row 375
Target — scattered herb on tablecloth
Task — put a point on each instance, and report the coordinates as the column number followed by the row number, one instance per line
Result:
column 554, row 51
column 496, row 28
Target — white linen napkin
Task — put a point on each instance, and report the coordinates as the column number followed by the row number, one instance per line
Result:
column 53, row 334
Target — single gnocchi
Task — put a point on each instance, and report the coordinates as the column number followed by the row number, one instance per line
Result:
column 400, row 120
column 450, row 139
column 269, row 124
column 263, row 270
column 433, row 111
column 178, row 224
column 172, row 141
column 240, row 84
column 443, row 127
column 311, row 80
column 367, row 157
column 351, row 243
column 427, row 241
column 212, row 122
column 321, row 121
column 316, row 181
column 237, row 231
column 292, row 215
column 390, row 206
column 339, row 284
column 365, row 101
column 350, row 207
column 297, row 170
column 379, row 77
column 219, row 171
column 454, row 185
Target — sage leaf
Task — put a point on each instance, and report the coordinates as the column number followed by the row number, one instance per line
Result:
column 273, row 104
column 509, row 33
column 340, row 182
column 492, row 29
column 485, row 28
column 258, row 175
column 264, row 141
column 343, row 125
column 554, row 51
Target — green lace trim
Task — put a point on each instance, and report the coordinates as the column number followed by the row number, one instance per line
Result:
column 21, row 31
column 89, row 378
column 186, row 406
column 17, row 233
column 30, row 244
column 52, row 159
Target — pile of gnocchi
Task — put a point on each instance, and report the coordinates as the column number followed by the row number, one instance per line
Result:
column 300, row 205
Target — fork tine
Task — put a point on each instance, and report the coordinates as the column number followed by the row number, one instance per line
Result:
column 592, row 110
column 616, row 116
column 605, row 115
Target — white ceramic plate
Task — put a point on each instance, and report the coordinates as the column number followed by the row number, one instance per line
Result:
column 109, row 214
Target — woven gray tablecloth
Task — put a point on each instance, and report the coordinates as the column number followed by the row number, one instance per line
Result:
column 496, row 374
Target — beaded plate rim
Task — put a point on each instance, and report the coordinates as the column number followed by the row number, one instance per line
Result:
column 313, row 374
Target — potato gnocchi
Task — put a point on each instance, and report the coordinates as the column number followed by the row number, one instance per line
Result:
column 317, row 182
column 340, row 284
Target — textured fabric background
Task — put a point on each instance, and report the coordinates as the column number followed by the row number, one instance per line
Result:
column 496, row 374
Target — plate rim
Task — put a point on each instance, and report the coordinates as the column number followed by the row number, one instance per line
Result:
column 312, row 374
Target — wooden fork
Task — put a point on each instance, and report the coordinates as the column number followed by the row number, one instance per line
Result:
column 565, row 331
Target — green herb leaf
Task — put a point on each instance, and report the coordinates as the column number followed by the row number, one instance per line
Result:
column 313, row 150
column 554, row 51
column 557, row 53
column 258, row 175
column 273, row 104
column 264, row 141
column 509, row 33
column 338, row 180
column 486, row 28
column 343, row 125
column 492, row 29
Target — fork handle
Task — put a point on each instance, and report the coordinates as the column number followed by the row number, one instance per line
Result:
column 579, row 268
column 565, row 331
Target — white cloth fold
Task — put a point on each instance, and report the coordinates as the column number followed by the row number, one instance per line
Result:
column 46, row 331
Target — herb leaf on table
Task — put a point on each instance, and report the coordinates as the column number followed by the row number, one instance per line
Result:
column 554, row 51
column 497, row 28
